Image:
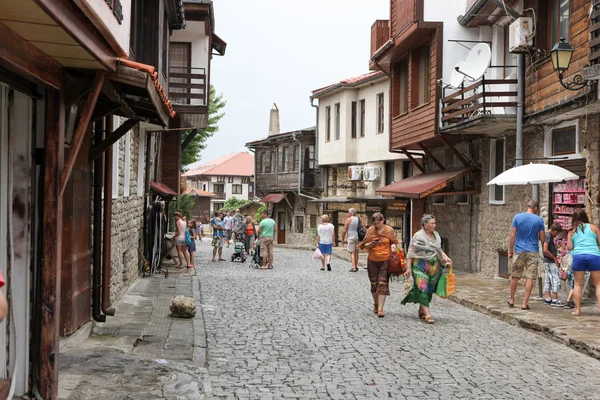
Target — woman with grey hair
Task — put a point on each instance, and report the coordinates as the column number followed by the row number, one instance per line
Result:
column 425, row 260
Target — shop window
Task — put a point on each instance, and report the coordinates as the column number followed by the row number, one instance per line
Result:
column 497, row 166
column 299, row 224
column 503, row 265
column 564, row 141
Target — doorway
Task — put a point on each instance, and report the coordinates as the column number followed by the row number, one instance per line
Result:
column 281, row 227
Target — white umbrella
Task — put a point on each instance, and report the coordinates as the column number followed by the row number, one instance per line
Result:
column 533, row 173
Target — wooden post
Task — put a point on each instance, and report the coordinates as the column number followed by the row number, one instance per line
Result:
column 415, row 162
column 430, row 155
column 52, row 245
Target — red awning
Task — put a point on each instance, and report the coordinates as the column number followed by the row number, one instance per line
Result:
column 162, row 189
column 417, row 187
column 272, row 198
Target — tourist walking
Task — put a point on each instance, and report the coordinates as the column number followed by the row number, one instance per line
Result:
column 199, row 230
column 523, row 250
column 266, row 231
column 227, row 226
column 325, row 241
column 191, row 248
column 583, row 241
column 180, row 228
column 551, row 262
column 250, row 234
column 217, row 240
column 380, row 241
column 425, row 260
column 350, row 236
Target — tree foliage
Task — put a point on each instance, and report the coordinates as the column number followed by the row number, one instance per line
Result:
column 185, row 204
column 193, row 151
column 258, row 216
column 233, row 202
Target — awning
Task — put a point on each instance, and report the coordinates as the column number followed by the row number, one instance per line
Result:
column 420, row 186
column 370, row 198
column 330, row 200
column 162, row 189
column 272, row 198
column 218, row 44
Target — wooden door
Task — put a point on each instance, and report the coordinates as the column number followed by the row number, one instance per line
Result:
column 417, row 211
column 281, row 228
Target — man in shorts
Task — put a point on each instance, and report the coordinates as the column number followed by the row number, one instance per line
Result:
column 526, row 231
column 350, row 236
column 266, row 230
column 217, row 241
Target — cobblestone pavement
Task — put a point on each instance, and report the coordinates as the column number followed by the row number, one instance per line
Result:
column 297, row 332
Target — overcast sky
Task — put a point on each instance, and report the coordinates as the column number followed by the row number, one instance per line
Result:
column 279, row 51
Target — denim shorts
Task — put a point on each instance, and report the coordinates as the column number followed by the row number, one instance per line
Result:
column 586, row 262
column 325, row 248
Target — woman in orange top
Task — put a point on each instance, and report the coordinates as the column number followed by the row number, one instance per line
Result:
column 250, row 234
column 380, row 241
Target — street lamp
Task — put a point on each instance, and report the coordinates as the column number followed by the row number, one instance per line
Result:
column 561, row 55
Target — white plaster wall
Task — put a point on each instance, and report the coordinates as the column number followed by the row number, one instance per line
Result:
column 200, row 44
column 102, row 17
column 373, row 147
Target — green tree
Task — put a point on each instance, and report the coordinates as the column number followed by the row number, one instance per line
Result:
column 233, row 202
column 185, row 204
column 193, row 151
column 258, row 216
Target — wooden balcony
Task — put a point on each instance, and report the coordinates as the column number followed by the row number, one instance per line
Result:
column 188, row 92
column 594, row 56
column 220, row 196
column 403, row 12
column 487, row 106
column 380, row 34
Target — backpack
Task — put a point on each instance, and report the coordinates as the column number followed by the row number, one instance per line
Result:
column 361, row 230
column 188, row 237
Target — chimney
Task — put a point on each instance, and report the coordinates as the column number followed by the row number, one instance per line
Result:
column 274, row 121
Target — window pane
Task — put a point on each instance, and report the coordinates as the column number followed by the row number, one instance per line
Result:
column 564, row 19
column 337, row 121
column 563, row 141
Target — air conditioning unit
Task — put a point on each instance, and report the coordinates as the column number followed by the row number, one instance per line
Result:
column 520, row 36
column 371, row 173
column 354, row 172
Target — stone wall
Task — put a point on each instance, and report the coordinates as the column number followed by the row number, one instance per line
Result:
column 340, row 185
column 127, row 246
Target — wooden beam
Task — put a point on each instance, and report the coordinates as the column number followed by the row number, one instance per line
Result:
column 23, row 58
column 52, row 246
column 415, row 162
column 112, row 139
column 81, row 129
column 430, row 155
column 70, row 18
column 455, row 151
column 189, row 138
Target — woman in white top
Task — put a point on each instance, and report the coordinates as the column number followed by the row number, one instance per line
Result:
column 180, row 228
column 325, row 241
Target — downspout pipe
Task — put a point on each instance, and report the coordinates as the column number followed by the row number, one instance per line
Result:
column 464, row 20
column 147, row 212
column 520, row 108
column 300, row 158
column 106, row 249
column 97, row 228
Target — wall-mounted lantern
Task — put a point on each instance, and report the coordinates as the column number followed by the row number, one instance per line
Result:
column 561, row 55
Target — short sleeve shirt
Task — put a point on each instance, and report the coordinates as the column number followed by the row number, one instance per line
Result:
column 267, row 226
column 325, row 233
column 528, row 228
column 227, row 222
column 551, row 248
column 217, row 222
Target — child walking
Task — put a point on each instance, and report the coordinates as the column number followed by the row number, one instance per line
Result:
column 192, row 247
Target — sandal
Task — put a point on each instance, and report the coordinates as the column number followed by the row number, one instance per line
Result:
column 353, row 270
column 510, row 305
column 375, row 308
column 525, row 308
column 421, row 315
column 380, row 313
column 429, row 320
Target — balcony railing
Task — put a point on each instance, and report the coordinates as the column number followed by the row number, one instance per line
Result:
column 220, row 195
column 187, row 85
column 488, row 97
column 594, row 56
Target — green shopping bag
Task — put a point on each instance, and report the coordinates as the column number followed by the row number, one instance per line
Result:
column 445, row 286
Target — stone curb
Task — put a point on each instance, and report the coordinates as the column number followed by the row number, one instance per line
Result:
column 525, row 322
column 200, row 338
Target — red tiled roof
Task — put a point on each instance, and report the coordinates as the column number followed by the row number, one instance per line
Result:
column 198, row 192
column 150, row 70
column 233, row 164
column 350, row 82
column 419, row 186
column 162, row 189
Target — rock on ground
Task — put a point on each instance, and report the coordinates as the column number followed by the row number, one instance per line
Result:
column 183, row 307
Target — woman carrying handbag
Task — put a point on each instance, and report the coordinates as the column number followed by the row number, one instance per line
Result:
column 380, row 242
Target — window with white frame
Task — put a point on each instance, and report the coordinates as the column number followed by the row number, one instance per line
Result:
column 236, row 189
column 440, row 155
column 497, row 166
column 562, row 140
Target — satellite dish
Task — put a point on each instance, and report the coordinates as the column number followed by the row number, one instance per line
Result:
column 457, row 78
column 478, row 61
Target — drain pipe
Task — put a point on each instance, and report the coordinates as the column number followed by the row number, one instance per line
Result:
column 97, row 223
column 108, row 182
column 520, row 108
column 300, row 169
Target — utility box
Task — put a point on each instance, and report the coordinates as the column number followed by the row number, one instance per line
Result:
column 520, row 36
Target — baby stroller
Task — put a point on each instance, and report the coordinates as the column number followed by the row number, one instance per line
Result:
column 256, row 261
column 239, row 251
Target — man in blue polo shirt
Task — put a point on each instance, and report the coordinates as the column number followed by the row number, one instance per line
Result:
column 526, row 231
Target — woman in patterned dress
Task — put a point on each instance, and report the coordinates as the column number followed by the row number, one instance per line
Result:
column 425, row 260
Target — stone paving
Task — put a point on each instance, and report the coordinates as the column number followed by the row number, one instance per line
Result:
column 297, row 332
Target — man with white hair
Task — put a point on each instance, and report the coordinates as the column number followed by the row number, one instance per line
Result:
column 350, row 236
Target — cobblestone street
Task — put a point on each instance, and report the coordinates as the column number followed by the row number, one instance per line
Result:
column 297, row 332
